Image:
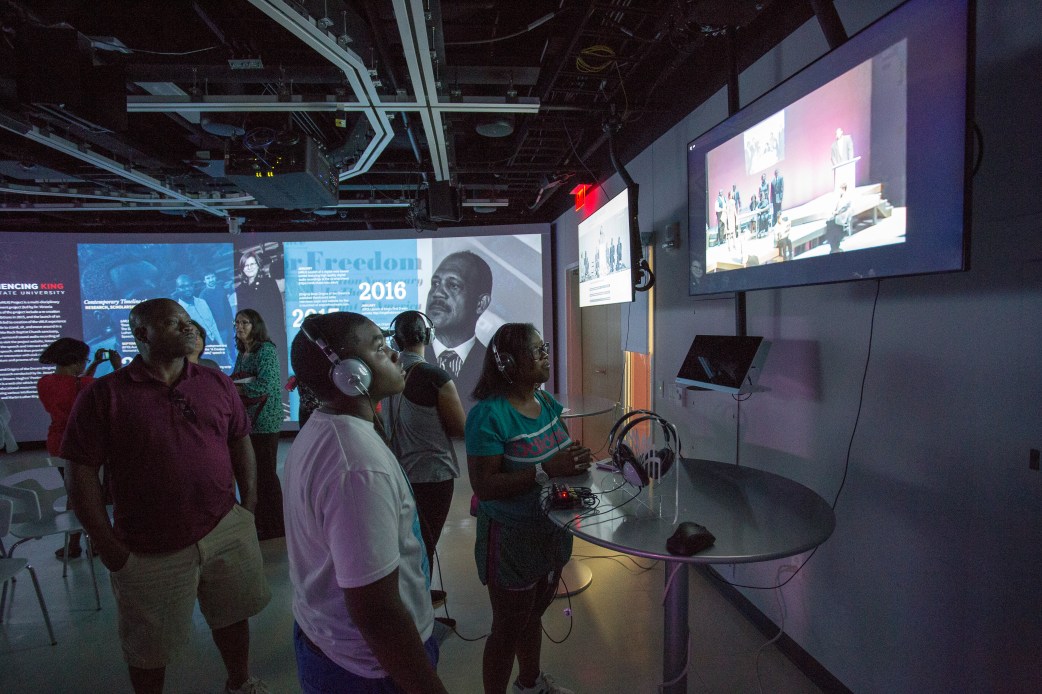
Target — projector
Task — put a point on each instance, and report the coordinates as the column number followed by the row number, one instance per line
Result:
column 290, row 177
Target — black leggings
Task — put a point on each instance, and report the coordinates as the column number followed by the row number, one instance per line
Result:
column 269, row 489
column 433, row 500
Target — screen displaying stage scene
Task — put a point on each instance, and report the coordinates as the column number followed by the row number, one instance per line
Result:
column 85, row 287
column 605, row 275
column 829, row 194
column 853, row 168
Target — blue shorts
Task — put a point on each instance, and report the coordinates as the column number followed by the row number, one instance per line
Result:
column 320, row 675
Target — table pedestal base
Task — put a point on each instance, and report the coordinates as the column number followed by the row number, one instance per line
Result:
column 675, row 630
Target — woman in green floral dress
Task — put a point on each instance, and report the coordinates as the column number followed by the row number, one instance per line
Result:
column 257, row 375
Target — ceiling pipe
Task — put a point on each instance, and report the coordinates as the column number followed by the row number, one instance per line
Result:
column 132, row 203
column 102, row 162
column 831, row 24
column 392, row 76
column 733, row 99
column 567, row 56
column 221, row 103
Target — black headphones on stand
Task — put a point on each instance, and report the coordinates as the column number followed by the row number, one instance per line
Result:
column 426, row 335
column 640, row 469
column 352, row 376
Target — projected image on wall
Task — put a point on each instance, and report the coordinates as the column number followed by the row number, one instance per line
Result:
column 116, row 277
column 469, row 286
column 39, row 303
column 824, row 175
column 260, row 284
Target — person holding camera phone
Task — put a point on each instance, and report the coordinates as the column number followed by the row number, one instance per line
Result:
column 57, row 392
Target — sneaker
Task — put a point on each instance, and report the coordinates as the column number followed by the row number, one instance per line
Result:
column 437, row 598
column 543, row 685
column 253, row 685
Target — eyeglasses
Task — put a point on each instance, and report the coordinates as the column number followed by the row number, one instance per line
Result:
column 542, row 350
column 178, row 398
column 243, row 322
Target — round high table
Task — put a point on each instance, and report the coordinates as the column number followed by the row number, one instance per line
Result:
column 755, row 516
column 576, row 576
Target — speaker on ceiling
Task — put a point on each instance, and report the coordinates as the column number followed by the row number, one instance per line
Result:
column 443, row 203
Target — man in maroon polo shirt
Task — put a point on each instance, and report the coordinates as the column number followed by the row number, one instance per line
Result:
column 174, row 439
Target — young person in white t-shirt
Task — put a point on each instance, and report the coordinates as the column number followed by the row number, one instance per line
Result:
column 361, row 582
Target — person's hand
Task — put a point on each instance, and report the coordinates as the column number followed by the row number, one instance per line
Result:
column 574, row 460
column 115, row 557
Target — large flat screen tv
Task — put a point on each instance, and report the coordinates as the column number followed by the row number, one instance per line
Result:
column 605, row 272
column 854, row 168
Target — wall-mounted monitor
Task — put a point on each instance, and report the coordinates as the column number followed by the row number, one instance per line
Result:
column 728, row 363
column 605, row 272
column 856, row 167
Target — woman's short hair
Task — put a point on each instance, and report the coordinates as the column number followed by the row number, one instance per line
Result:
column 65, row 351
column 258, row 333
column 511, row 340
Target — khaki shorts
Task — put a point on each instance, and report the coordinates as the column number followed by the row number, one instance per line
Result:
column 156, row 593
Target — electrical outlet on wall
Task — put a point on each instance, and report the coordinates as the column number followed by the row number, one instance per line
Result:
column 680, row 394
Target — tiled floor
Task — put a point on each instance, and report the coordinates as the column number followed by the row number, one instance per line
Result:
column 611, row 644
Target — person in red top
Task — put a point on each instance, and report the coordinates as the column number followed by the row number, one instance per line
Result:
column 58, row 392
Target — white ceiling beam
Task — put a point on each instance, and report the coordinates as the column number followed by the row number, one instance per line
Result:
column 307, row 30
column 412, row 27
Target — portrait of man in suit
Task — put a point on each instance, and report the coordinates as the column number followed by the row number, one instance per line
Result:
column 460, row 291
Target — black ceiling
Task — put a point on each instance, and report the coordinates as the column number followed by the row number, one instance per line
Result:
column 118, row 115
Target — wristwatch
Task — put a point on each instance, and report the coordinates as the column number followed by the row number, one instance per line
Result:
column 540, row 474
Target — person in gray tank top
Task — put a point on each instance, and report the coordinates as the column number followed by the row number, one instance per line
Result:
column 422, row 422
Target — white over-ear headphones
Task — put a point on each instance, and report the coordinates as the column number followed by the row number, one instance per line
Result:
column 351, row 377
column 639, row 468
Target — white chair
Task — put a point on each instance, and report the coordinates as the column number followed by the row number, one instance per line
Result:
column 10, row 566
column 35, row 516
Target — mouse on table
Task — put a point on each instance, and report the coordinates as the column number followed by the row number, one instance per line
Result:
column 689, row 538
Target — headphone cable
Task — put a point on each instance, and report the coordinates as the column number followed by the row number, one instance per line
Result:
column 377, row 421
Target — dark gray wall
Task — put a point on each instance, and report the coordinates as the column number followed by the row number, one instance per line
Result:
column 932, row 580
